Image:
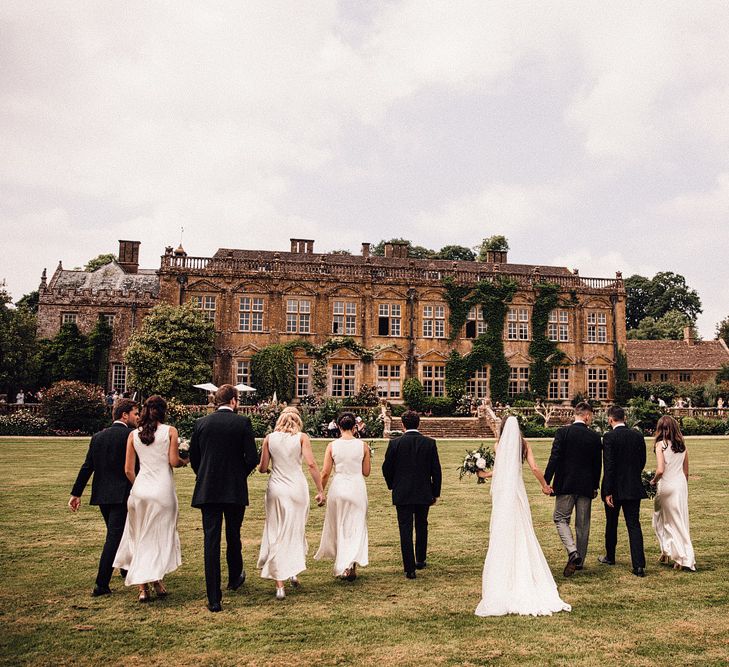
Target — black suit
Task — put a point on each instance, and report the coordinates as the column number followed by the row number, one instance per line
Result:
column 109, row 490
column 624, row 454
column 222, row 454
column 412, row 471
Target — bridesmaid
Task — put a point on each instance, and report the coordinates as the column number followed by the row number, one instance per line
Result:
column 671, row 516
column 283, row 546
column 344, row 537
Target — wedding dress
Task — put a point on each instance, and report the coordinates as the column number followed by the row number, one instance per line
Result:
column 516, row 577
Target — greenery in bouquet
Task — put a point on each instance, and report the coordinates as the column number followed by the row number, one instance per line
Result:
column 646, row 476
column 476, row 460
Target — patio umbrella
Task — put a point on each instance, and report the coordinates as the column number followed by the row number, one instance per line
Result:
column 244, row 387
column 208, row 386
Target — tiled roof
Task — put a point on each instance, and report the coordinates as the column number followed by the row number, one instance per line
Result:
column 676, row 355
column 108, row 277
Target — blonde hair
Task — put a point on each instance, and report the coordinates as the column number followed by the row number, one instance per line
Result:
column 289, row 421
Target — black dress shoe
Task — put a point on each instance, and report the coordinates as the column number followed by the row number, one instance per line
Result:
column 639, row 571
column 572, row 562
column 98, row 591
column 235, row 585
column 421, row 566
column 215, row 606
column 123, row 574
column 605, row 560
column 411, row 575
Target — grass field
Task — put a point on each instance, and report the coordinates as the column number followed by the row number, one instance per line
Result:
column 48, row 560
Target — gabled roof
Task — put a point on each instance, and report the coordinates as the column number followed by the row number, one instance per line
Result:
column 676, row 355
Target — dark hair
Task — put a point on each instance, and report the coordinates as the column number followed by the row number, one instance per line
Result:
column 153, row 414
column 410, row 419
column 346, row 421
column 668, row 430
column 125, row 405
column 583, row 407
column 225, row 394
column 616, row 412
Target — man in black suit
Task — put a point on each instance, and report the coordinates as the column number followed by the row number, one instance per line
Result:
column 575, row 463
column 624, row 459
column 110, row 488
column 412, row 471
column 222, row 454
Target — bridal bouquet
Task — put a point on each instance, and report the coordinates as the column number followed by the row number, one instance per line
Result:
column 646, row 476
column 475, row 460
column 372, row 449
column 183, row 447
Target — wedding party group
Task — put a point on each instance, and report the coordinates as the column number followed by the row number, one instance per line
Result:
column 132, row 465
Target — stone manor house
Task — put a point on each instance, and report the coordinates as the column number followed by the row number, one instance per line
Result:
column 394, row 305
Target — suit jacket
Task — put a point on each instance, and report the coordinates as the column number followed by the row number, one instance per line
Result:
column 222, row 454
column 105, row 461
column 624, row 454
column 412, row 469
column 575, row 461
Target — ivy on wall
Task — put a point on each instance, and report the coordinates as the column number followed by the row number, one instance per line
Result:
column 459, row 303
column 623, row 388
column 545, row 353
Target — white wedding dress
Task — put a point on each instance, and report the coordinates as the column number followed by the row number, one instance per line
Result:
column 516, row 577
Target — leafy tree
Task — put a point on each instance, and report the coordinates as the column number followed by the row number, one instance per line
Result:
column 17, row 346
column 273, row 370
column 341, row 252
column 29, row 302
column 637, row 297
column 456, row 253
column 414, row 251
column 497, row 243
column 657, row 296
column 98, row 344
column 722, row 330
column 723, row 374
column 668, row 327
column 64, row 357
column 172, row 351
column 99, row 261
column 75, row 406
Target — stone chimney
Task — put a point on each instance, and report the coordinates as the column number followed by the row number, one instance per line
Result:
column 396, row 250
column 302, row 246
column 496, row 256
column 129, row 255
column 688, row 335
column 365, row 250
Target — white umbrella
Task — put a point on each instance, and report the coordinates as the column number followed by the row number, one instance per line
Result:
column 244, row 387
column 208, row 386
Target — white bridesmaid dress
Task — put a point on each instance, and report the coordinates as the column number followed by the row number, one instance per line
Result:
column 344, row 537
column 150, row 545
column 671, row 515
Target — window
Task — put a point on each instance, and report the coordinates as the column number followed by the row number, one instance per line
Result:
column 518, row 324
column 684, row 377
column 302, row 379
column 477, row 384
column 434, row 380
column 343, row 380
column 69, row 318
column 633, row 377
column 433, row 321
column 344, row 319
column 475, row 325
column 109, row 319
column 243, row 372
column 388, row 380
column 558, row 328
column 119, row 377
column 664, row 377
column 298, row 316
column 559, row 383
column 250, row 314
column 597, row 383
column 389, row 319
column 518, row 380
column 647, row 377
column 596, row 327
column 206, row 304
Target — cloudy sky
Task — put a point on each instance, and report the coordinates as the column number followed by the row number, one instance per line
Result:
column 593, row 135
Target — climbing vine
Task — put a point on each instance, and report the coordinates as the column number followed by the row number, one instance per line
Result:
column 545, row 353
column 459, row 303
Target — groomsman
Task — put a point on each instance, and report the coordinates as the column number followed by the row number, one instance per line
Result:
column 412, row 471
column 110, row 488
column 222, row 454
column 575, row 463
column 624, row 459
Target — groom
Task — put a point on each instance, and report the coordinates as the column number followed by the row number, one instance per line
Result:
column 575, row 463
column 222, row 454
column 412, row 471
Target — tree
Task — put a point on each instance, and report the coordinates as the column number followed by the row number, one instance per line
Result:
column 722, row 330
column 273, row 369
column 496, row 243
column 637, row 298
column 99, row 261
column 17, row 346
column 656, row 297
column 341, row 252
column 29, row 302
column 172, row 351
column 414, row 251
column 723, row 374
column 456, row 253
column 669, row 327
column 98, row 344
column 64, row 357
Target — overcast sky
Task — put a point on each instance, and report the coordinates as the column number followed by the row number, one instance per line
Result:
column 592, row 135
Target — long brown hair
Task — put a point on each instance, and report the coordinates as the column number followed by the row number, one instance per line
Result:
column 153, row 414
column 668, row 430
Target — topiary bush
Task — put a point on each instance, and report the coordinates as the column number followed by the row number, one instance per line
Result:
column 23, row 422
column 703, row 426
column 413, row 393
column 73, row 406
column 438, row 407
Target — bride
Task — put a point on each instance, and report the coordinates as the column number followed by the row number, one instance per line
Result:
column 516, row 577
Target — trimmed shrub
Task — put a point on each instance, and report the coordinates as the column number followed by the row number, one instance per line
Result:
column 73, row 406
column 413, row 393
column 183, row 417
column 23, row 422
column 645, row 413
column 367, row 395
column 703, row 426
column 438, row 407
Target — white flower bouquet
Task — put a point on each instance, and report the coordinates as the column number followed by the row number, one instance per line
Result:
column 476, row 460
column 645, row 477
column 183, row 447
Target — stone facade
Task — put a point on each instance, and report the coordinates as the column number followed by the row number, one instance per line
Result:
column 394, row 305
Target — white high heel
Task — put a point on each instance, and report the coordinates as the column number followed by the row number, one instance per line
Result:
column 280, row 593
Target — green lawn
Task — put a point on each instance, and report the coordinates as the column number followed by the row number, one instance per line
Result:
column 48, row 560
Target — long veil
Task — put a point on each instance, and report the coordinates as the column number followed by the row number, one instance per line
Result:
column 507, row 466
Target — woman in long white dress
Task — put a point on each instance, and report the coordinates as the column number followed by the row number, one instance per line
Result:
column 150, row 545
column 283, row 546
column 671, row 515
column 344, row 536
column 516, row 577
